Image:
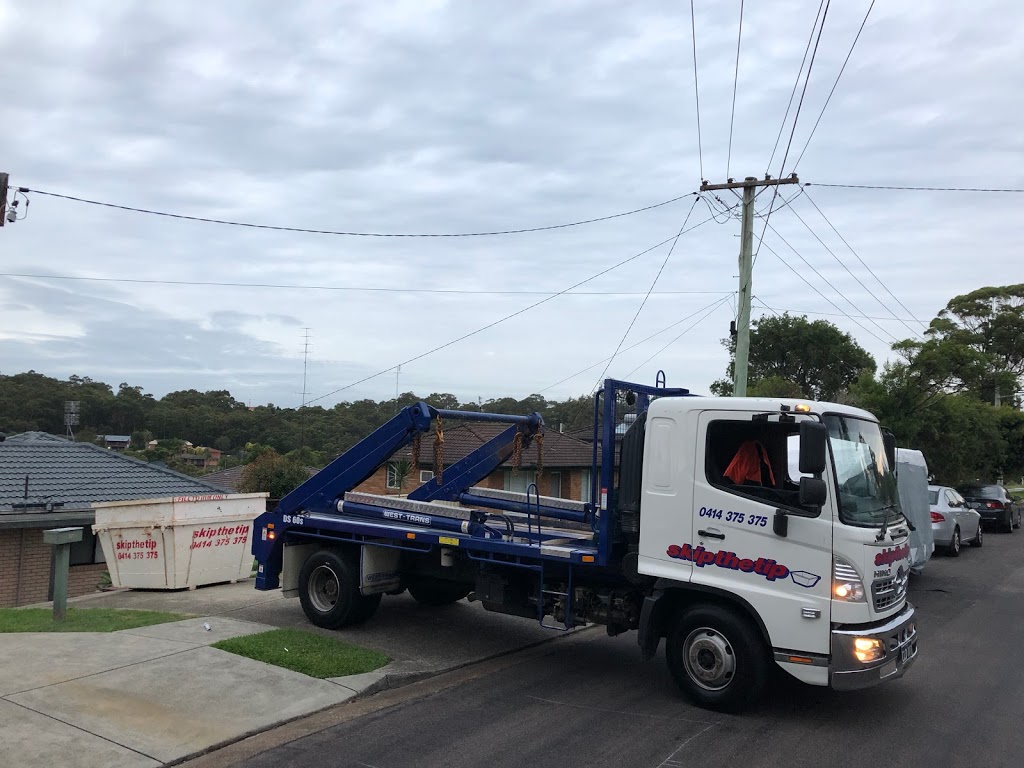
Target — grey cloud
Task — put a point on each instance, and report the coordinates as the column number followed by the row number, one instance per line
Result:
column 471, row 116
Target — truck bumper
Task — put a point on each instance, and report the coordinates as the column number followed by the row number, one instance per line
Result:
column 898, row 635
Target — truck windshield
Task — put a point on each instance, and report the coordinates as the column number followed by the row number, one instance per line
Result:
column 867, row 486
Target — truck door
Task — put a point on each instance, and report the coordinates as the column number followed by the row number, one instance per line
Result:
column 746, row 468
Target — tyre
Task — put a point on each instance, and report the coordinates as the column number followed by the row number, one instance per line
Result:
column 329, row 590
column 717, row 657
column 953, row 550
column 1018, row 521
column 437, row 593
column 977, row 541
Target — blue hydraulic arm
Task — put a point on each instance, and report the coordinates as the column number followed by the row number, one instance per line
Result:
column 467, row 472
column 320, row 493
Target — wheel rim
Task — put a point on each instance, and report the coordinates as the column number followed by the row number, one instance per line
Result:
column 709, row 659
column 956, row 541
column 324, row 588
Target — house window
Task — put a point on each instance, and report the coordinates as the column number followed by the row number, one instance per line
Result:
column 585, row 495
column 550, row 482
column 519, row 481
column 426, row 475
column 392, row 481
column 553, row 480
column 87, row 551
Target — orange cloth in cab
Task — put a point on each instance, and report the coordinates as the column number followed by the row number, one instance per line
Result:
column 746, row 464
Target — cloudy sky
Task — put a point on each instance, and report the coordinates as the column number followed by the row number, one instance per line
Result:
column 435, row 117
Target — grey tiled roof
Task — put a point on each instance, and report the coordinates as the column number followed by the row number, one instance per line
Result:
column 229, row 479
column 80, row 474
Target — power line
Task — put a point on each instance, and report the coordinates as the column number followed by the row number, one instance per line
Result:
column 677, row 338
column 850, row 272
column 250, row 225
column 871, row 271
column 830, row 285
column 507, row 317
column 796, row 84
column 293, row 286
column 762, row 304
column 815, row 288
column 796, row 118
column 644, row 302
column 634, row 346
column 841, row 70
column 823, row 314
column 696, row 89
column 735, row 82
column 919, row 189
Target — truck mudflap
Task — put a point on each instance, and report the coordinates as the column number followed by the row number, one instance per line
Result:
column 893, row 643
column 649, row 634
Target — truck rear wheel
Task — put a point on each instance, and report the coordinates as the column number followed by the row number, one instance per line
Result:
column 717, row 658
column 329, row 591
column 436, row 593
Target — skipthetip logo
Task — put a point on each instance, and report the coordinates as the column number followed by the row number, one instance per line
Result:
column 762, row 566
column 890, row 556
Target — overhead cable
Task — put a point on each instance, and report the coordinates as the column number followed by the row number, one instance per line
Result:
column 796, row 84
column 352, row 288
column 857, row 255
column 796, row 118
column 697, row 322
column 343, row 233
column 919, row 189
column 841, row 70
column 631, row 347
column 644, row 302
column 506, row 317
column 814, row 288
column 696, row 89
column 735, row 82
column 851, row 273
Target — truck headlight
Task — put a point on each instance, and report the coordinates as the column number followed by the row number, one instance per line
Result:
column 868, row 649
column 846, row 582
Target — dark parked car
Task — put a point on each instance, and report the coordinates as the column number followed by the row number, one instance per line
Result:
column 995, row 505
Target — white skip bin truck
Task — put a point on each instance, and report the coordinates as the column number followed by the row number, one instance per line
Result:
column 744, row 532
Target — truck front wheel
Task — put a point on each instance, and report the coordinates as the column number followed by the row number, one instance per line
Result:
column 717, row 658
column 329, row 591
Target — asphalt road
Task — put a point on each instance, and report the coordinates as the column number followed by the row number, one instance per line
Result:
column 588, row 700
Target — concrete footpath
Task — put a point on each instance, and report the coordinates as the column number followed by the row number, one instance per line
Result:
column 145, row 697
column 159, row 694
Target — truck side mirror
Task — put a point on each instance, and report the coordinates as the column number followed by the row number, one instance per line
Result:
column 889, row 440
column 813, row 440
column 813, row 492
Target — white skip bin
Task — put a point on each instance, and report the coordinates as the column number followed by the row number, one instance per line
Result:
column 178, row 542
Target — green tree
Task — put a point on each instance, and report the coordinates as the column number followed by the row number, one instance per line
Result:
column 981, row 335
column 817, row 358
column 272, row 473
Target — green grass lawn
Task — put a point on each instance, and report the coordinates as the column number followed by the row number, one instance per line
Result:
column 304, row 652
column 81, row 619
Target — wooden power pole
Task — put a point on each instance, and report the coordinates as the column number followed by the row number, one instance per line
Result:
column 748, row 186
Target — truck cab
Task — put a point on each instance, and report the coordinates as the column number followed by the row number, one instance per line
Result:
column 786, row 513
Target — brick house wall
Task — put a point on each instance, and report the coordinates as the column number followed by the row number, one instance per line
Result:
column 25, row 569
column 572, row 482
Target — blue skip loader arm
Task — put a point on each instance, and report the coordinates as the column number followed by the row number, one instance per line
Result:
column 320, row 493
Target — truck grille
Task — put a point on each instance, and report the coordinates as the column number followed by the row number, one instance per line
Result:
column 888, row 592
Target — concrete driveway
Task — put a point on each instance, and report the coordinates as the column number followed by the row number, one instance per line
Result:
column 422, row 640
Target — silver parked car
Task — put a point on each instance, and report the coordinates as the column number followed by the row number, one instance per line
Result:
column 953, row 522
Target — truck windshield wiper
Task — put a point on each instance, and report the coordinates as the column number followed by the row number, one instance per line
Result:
column 885, row 522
